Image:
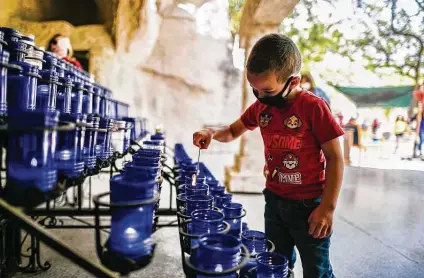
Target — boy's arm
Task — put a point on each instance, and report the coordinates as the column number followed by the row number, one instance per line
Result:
column 333, row 173
column 228, row 133
column 247, row 121
column 327, row 131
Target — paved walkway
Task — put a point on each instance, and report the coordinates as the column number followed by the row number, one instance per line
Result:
column 379, row 225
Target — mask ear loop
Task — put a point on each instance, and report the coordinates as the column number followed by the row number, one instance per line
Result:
column 287, row 88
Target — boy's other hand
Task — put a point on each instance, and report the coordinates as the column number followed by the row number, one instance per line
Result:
column 321, row 222
column 202, row 138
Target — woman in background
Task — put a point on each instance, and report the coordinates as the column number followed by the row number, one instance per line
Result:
column 61, row 46
column 400, row 128
column 307, row 83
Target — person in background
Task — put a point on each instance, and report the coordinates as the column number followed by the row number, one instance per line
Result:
column 375, row 125
column 61, row 46
column 308, row 83
column 420, row 129
column 400, row 129
column 357, row 131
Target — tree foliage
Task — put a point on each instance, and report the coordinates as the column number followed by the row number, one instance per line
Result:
column 314, row 40
column 318, row 36
column 235, row 10
column 392, row 37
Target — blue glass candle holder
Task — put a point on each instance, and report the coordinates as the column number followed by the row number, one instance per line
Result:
column 271, row 264
column 131, row 227
column 256, row 242
column 10, row 34
column 118, row 136
column 222, row 199
column 64, row 95
column 127, row 136
column 77, row 97
column 216, row 253
column 87, row 101
column 146, row 161
column 195, row 202
column 105, row 104
column 205, row 221
column 69, row 153
column 47, row 90
column 104, row 139
column 17, row 50
column 197, row 189
column 110, row 102
column 140, row 172
column 181, row 203
column 4, row 63
column 244, row 227
column 233, row 213
column 22, row 80
column 3, row 43
column 90, row 142
column 148, row 153
column 98, row 91
column 31, row 152
column 123, row 188
column 132, row 123
column 199, row 179
column 50, row 61
column 131, row 232
column 180, row 153
column 154, row 144
column 211, row 182
column 121, row 109
column 61, row 68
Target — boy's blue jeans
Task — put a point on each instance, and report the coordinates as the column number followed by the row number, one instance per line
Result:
column 286, row 225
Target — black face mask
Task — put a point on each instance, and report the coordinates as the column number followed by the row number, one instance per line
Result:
column 278, row 100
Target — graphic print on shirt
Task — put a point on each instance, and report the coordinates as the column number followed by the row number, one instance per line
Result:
column 290, row 161
column 293, row 122
column 270, row 157
column 290, row 178
column 264, row 119
column 282, row 142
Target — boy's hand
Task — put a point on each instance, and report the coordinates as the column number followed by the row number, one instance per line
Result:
column 202, row 138
column 321, row 222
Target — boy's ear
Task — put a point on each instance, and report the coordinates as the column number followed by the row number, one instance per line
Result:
column 295, row 82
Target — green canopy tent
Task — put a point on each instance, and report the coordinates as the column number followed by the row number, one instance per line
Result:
column 379, row 96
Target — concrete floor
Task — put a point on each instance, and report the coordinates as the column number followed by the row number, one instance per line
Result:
column 378, row 230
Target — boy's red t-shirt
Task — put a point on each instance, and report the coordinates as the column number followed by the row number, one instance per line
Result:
column 293, row 136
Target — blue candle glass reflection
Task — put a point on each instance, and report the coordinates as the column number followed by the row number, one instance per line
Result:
column 232, row 210
column 271, row 265
column 216, row 253
column 256, row 242
column 31, row 152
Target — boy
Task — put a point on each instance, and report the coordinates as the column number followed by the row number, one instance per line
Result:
column 304, row 165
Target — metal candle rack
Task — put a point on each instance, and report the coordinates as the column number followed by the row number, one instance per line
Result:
column 13, row 219
column 186, row 248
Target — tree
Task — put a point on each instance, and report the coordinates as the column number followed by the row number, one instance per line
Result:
column 391, row 37
column 235, row 10
column 319, row 35
column 314, row 39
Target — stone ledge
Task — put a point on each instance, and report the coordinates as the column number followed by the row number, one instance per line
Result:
column 243, row 182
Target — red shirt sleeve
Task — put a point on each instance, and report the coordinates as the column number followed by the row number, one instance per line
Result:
column 324, row 126
column 249, row 117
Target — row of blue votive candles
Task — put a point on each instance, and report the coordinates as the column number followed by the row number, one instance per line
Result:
column 209, row 207
column 60, row 120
